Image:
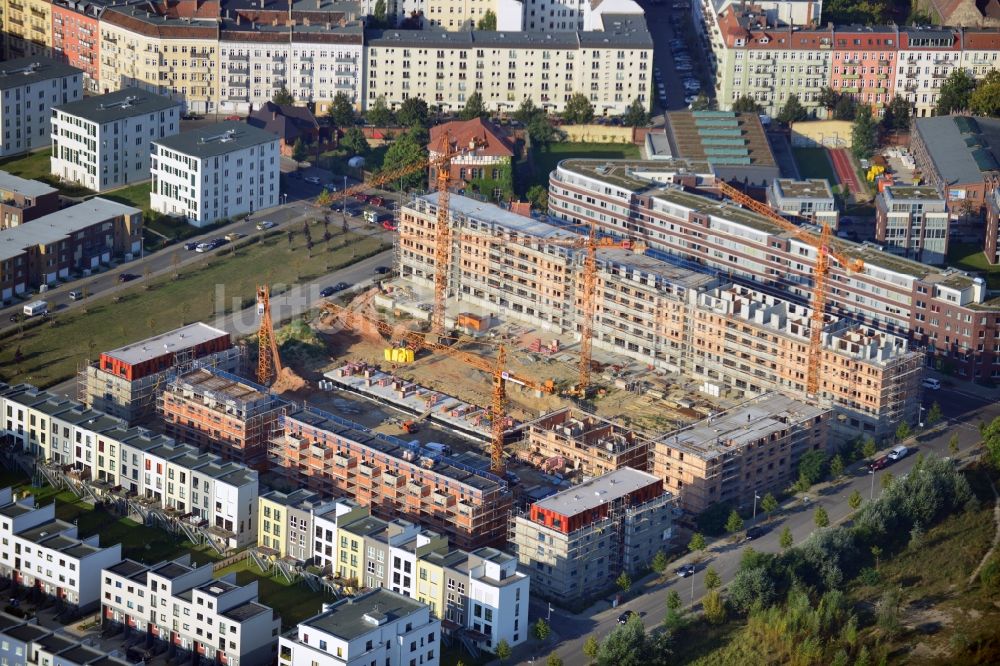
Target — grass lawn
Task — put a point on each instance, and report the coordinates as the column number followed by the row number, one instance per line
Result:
column 53, row 351
column 970, row 257
column 134, row 195
column 545, row 160
column 293, row 603
column 36, row 167
column 814, row 163
column 336, row 160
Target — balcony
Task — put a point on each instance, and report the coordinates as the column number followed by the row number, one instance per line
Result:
column 16, row 7
column 38, row 13
column 17, row 21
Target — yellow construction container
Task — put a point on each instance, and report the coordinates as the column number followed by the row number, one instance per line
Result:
column 399, row 355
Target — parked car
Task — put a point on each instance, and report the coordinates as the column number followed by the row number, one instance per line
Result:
column 931, row 383
column 234, row 236
column 377, row 201
column 879, row 463
column 755, row 532
column 898, row 453
column 205, row 247
column 381, row 270
column 76, row 295
column 191, row 245
column 685, row 570
column 263, row 225
column 340, row 286
column 312, row 179
column 362, row 197
column 326, row 292
column 127, row 277
column 626, row 616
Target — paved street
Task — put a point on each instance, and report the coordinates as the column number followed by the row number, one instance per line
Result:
column 964, row 406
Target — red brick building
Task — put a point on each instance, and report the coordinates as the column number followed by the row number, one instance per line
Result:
column 24, row 200
column 491, row 161
column 158, row 353
column 76, row 37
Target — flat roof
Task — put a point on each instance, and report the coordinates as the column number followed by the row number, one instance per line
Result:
column 117, row 105
column 597, row 491
column 487, row 212
column 178, row 339
column 170, row 570
column 203, row 380
column 26, row 633
column 661, row 270
column 26, row 71
column 292, row 499
column 814, row 188
column 55, row 643
column 913, row 192
column 722, row 138
column 730, row 431
column 638, row 175
column 45, row 530
column 346, row 619
column 57, row 226
column 29, row 188
column 245, row 611
column 963, row 149
column 218, row 139
column 127, row 568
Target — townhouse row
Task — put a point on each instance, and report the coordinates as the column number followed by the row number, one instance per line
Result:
column 946, row 313
column 103, row 451
column 757, row 50
column 731, row 337
column 479, row 592
column 234, row 58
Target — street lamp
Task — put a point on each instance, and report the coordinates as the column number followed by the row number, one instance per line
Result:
column 284, row 196
column 920, row 417
column 692, row 587
column 871, row 495
column 755, row 498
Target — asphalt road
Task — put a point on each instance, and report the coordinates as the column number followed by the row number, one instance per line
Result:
column 658, row 19
column 963, row 405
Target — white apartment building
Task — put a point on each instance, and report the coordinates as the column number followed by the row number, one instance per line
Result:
column 214, row 172
column 613, row 67
column 30, row 88
column 313, row 62
column 103, row 142
column 497, row 594
column 913, row 222
column 572, row 15
column 925, row 58
column 40, row 550
column 804, row 200
column 181, row 604
column 380, row 627
column 220, row 495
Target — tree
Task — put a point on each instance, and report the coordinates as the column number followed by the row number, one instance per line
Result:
column 701, row 103
column 821, row 518
column 887, row 612
column 591, row 647
column 637, row 115
column 299, row 152
column 854, row 501
column 955, row 92
column 864, row 133
column 715, row 607
column 355, row 142
column 697, row 544
column 811, row 466
column 473, row 108
column 675, row 611
column 903, row 431
column 828, row 97
column 769, row 505
column 540, row 130
column 953, row 444
column 553, row 660
column 734, row 523
column 659, row 562
column 488, row 22
column 527, row 111
column 541, row 629
column 341, row 111
column 379, row 114
column 538, row 195
column 747, row 104
column 869, row 448
column 283, row 96
column 713, row 580
column 626, row 645
column 792, row 111
column 876, row 553
column 405, row 150
column 624, row 582
column 836, row 466
column 785, row 540
column 379, row 12
column 503, row 650
column 897, row 114
column 934, row 414
column 579, row 110
column 413, row 112
column 886, row 480
column 985, row 99
column 846, row 108
column 991, row 441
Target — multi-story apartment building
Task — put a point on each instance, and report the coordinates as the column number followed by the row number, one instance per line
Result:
column 668, row 316
column 286, row 522
column 926, row 56
column 980, row 50
column 314, row 60
column 752, row 448
column 102, row 142
column 76, row 39
column 23, row 200
column 214, row 172
column 913, row 221
column 864, row 63
column 30, row 88
column 166, row 49
column 27, row 29
column 945, row 311
column 992, row 244
column 576, row 543
column 222, row 413
column 41, row 551
column 75, row 239
column 332, row 456
column 804, row 200
column 379, row 627
column 586, row 443
column 123, row 381
column 613, row 67
column 184, row 606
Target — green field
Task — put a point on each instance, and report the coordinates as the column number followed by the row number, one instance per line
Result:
column 36, row 167
column 293, row 603
column 545, row 159
column 970, row 257
column 52, row 351
column 814, row 163
column 134, row 195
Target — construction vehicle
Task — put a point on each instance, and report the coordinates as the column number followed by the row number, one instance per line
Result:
column 410, row 427
column 825, row 250
column 496, row 368
column 269, row 367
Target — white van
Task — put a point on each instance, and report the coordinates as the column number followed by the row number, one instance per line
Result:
column 898, row 453
column 931, row 383
column 35, row 308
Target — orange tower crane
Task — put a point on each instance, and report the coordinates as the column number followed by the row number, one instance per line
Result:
column 268, row 360
column 824, row 252
column 495, row 368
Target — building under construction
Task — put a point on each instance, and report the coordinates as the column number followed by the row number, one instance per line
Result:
column 336, row 457
column 571, row 439
column 221, row 413
column 124, row 382
column 577, row 542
